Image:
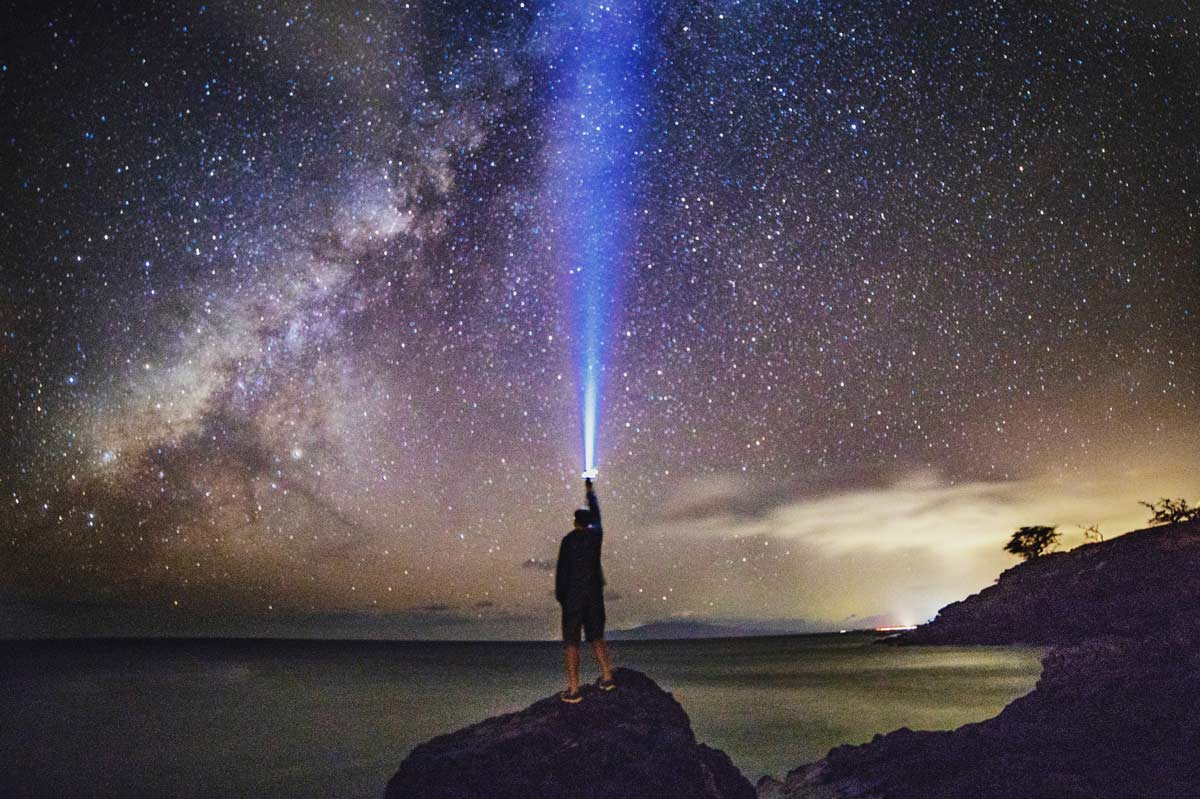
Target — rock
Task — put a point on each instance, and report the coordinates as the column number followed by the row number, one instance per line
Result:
column 633, row 742
column 1128, row 586
column 1115, row 715
column 1111, row 718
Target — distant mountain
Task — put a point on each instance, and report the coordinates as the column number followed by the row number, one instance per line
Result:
column 672, row 629
column 694, row 628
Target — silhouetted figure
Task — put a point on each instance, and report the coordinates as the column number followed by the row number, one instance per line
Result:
column 579, row 589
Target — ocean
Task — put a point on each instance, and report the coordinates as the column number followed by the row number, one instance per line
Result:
column 266, row 718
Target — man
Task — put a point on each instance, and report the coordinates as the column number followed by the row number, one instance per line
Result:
column 579, row 589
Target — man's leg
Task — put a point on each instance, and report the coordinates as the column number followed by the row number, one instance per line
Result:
column 572, row 657
column 593, row 622
column 600, row 650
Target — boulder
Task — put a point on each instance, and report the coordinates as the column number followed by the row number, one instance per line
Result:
column 635, row 741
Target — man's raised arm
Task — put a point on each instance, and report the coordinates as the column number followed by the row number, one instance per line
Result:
column 593, row 503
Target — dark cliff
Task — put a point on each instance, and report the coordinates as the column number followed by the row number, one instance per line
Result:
column 1142, row 581
column 1115, row 715
column 1111, row 718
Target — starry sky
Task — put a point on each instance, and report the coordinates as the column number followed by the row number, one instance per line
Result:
column 289, row 322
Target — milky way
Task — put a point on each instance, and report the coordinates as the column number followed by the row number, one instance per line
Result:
column 289, row 346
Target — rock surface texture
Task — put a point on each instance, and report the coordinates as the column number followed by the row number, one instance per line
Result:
column 1132, row 585
column 1115, row 715
column 633, row 742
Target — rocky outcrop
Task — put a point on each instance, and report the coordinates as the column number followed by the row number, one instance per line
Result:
column 1111, row 718
column 1128, row 586
column 635, row 741
column 1115, row 715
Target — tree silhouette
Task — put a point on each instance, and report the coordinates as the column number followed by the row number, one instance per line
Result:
column 1170, row 511
column 1091, row 533
column 1031, row 542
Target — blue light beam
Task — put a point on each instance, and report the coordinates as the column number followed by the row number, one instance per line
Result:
column 599, row 120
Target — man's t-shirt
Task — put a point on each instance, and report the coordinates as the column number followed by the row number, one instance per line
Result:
column 578, row 576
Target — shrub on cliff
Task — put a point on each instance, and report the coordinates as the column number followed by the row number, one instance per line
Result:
column 1031, row 542
column 1171, row 511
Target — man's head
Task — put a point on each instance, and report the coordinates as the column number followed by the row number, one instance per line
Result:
column 583, row 517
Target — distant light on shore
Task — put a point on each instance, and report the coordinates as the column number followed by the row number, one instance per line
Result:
column 897, row 628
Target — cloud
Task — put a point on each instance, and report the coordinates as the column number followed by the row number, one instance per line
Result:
column 895, row 550
column 721, row 494
column 921, row 509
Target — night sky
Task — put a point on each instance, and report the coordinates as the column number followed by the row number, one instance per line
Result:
column 290, row 319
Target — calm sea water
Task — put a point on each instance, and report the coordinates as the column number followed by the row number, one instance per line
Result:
column 323, row 719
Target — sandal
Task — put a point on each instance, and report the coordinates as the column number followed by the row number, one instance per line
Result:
column 570, row 697
column 606, row 685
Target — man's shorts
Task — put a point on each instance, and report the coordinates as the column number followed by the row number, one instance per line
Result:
column 588, row 614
